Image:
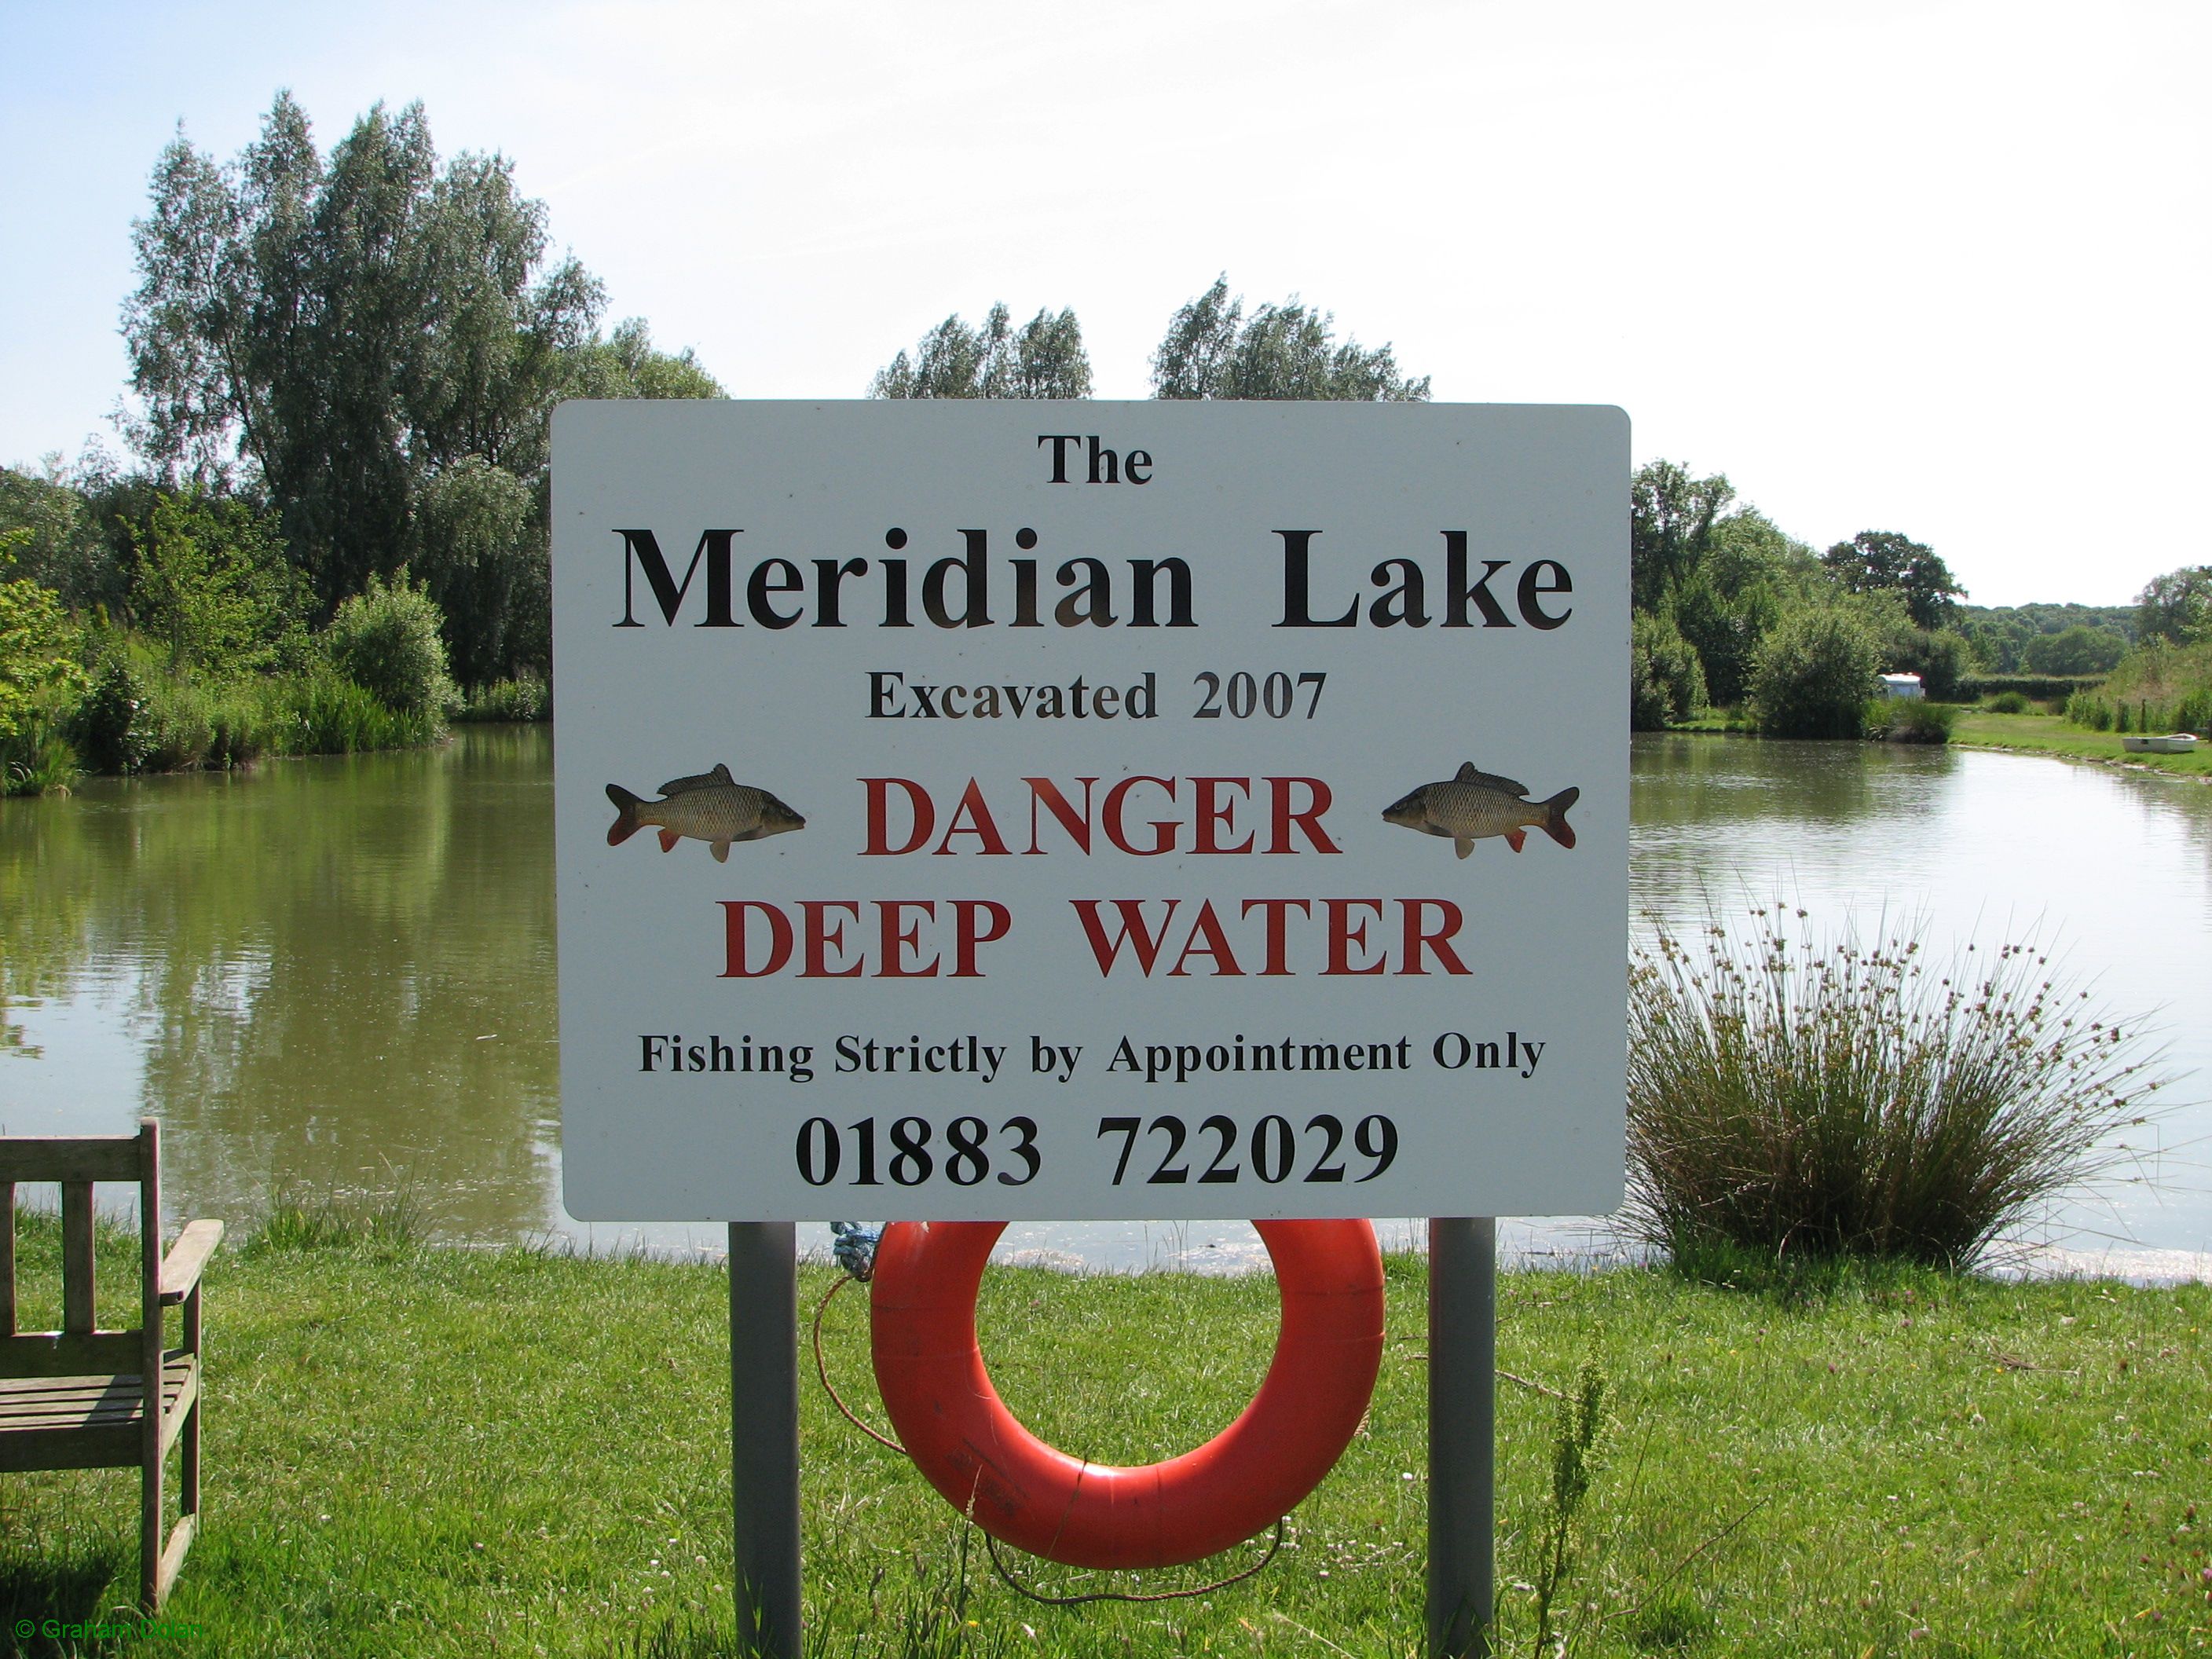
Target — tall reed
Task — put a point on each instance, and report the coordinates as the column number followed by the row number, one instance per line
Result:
column 1791, row 1095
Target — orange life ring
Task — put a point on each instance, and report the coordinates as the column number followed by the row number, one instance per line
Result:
column 961, row 1436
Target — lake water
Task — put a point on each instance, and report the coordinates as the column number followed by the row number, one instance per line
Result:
column 335, row 976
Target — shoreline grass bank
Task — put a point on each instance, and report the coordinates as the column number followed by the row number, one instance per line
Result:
column 415, row 1451
column 2047, row 734
column 2025, row 735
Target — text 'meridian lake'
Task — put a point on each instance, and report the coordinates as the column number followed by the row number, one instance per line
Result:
column 335, row 976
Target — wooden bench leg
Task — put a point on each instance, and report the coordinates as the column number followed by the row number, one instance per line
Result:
column 150, row 1508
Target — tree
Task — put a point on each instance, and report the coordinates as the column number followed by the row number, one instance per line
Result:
column 1815, row 674
column 1665, row 684
column 38, row 644
column 2177, row 607
column 482, row 557
column 1670, row 523
column 626, row 365
column 64, row 543
column 1283, row 351
column 333, row 330
column 1734, row 596
column 213, row 584
column 1883, row 560
column 2075, row 651
column 1044, row 359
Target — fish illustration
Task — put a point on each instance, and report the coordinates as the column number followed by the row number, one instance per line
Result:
column 709, row 806
column 1470, row 804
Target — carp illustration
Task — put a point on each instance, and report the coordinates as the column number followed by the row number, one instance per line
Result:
column 1470, row 804
column 709, row 806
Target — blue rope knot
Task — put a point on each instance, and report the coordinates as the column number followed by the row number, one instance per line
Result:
column 855, row 1247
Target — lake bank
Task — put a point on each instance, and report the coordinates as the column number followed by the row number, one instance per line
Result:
column 2047, row 734
column 434, row 1452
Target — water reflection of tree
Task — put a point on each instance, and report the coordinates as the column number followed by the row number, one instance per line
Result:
column 42, row 920
column 1704, row 802
column 346, row 976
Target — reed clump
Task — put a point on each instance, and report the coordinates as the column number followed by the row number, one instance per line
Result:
column 1788, row 1095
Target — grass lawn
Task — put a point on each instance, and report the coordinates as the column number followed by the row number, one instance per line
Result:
column 2046, row 734
column 418, row 1451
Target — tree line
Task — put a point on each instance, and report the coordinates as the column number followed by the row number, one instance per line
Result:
column 330, row 531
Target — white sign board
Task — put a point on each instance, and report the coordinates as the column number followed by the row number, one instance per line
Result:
column 1013, row 810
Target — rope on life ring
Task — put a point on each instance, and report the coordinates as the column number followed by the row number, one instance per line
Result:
column 930, row 1371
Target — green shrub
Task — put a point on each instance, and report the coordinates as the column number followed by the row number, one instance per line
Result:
column 1914, row 720
column 326, row 713
column 1790, row 1096
column 2008, row 702
column 1814, row 675
column 114, row 731
column 177, row 722
column 388, row 640
column 525, row 697
column 35, row 758
column 1665, row 684
column 2086, row 708
column 40, row 651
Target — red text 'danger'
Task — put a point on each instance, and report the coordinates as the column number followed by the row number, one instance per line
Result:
column 1143, row 816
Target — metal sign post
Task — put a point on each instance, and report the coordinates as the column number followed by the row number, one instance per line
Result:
column 765, row 1434
column 1462, row 1434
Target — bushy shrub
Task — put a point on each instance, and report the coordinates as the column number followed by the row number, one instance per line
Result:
column 114, row 731
column 2086, row 708
column 195, row 723
column 39, row 648
column 525, row 697
column 1665, row 684
column 35, row 758
column 1814, row 675
column 387, row 639
column 2008, row 702
column 1914, row 720
column 1788, row 1095
column 326, row 713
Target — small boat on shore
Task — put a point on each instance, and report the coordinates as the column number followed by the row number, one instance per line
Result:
column 2174, row 743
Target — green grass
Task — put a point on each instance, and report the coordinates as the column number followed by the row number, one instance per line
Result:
column 415, row 1451
column 2045, row 734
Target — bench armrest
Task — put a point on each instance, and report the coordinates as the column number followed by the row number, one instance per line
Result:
column 180, row 1273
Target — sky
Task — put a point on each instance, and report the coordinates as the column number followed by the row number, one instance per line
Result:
column 1935, row 268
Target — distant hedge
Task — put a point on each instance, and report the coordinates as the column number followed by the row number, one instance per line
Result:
column 2042, row 687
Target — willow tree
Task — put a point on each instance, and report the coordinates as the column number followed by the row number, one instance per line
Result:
column 342, row 332
column 1212, row 349
column 1043, row 358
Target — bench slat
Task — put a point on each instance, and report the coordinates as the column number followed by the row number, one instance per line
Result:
column 57, row 1353
column 6, row 1258
column 102, row 1447
column 96, row 1401
column 54, row 1158
column 77, row 1256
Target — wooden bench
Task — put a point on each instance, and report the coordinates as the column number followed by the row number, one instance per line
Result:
column 76, row 1398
